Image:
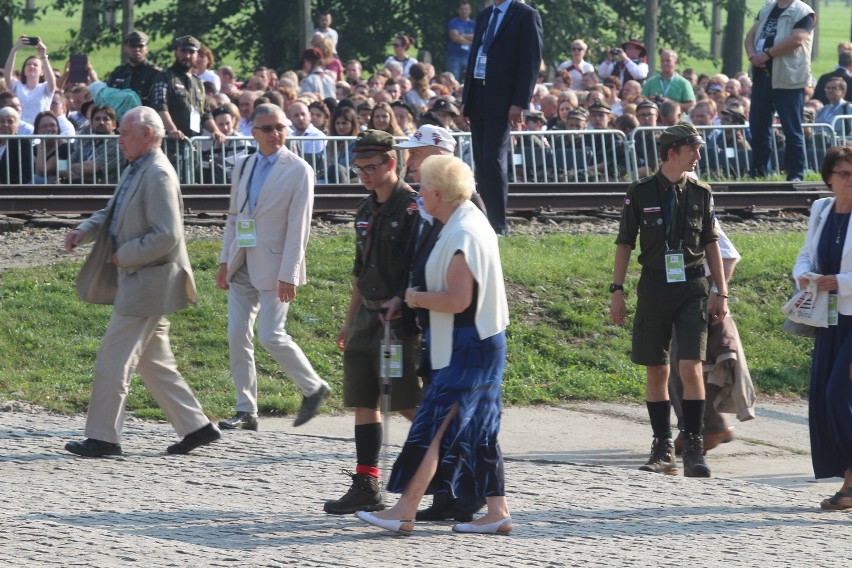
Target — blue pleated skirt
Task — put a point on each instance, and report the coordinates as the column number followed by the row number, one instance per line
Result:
column 830, row 400
column 470, row 462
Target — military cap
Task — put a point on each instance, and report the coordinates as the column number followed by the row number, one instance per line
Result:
column 219, row 111
column 599, row 106
column 680, row 135
column 136, row 38
column 734, row 114
column 372, row 141
column 188, row 42
column 578, row 112
column 408, row 108
column 647, row 103
column 534, row 114
column 443, row 105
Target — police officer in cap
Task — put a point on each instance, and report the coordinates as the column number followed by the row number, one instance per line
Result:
column 672, row 213
column 138, row 73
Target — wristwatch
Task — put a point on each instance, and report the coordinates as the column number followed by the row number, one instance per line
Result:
column 613, row 288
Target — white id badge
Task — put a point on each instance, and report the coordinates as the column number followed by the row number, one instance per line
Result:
column 832, row 308
column 758, row 46
column 394, row 358
column 246, row 233
column 195, row 121
column 479, row 69
column 675, row 270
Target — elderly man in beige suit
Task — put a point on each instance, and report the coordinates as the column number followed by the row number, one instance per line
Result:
column 140, row 265
column 262, row 263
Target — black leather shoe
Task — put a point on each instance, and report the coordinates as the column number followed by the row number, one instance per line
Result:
column 463, row 511
column 438, row 511
column 195, row 439
column 92, row 448
column 242, row 420
column 310, row 405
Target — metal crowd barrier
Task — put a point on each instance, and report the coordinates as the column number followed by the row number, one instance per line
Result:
column 546, row 157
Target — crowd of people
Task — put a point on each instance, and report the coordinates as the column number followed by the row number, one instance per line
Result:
column 447, row 293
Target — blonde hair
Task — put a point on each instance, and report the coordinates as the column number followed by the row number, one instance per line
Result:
column 450, row 176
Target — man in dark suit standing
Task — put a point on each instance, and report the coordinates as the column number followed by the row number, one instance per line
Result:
column 505, row 57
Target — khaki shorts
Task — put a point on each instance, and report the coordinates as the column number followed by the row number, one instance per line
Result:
column 362, row 377
column 659, row 306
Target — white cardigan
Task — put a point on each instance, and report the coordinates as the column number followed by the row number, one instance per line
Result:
column 467, row 230
column 806, row 261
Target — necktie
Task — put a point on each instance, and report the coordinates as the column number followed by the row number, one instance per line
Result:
column 492, row 28
column 672, row 210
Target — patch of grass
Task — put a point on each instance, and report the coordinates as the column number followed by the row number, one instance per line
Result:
column 561, row 344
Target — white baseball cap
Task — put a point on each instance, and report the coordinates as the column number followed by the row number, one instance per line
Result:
column 428, row 135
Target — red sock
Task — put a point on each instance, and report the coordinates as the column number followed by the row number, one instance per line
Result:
column 367, row 470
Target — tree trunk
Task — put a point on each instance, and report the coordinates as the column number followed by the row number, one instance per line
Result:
column 306, row 26
column 6, row 38
column 651, row 7
column 732, row 47
column 90, row 21
column 716, row 29
column 128, row 22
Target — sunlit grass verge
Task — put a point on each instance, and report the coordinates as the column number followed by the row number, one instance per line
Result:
column 561, row 344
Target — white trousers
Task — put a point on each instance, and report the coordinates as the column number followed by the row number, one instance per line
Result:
column 245, row 305
column 130, row 344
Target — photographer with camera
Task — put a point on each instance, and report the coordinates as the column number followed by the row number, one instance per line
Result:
column 668, row 84
column 627, row 62
column 38, row 82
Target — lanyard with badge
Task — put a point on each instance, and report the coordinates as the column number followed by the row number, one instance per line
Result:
column 247, row 228
column 675, row 264
column 482, row 56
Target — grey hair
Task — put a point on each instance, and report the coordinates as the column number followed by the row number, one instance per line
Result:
column 148, row 118
column 10, row 111
column 268, row 109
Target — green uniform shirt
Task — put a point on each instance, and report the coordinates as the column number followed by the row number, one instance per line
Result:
column 690, row 228
column 382, row 233
column 677, row 88
column 178, row 93
column 139, row 79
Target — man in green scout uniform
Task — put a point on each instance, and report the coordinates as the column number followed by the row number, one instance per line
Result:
column 384, row 225
column 673, row 215
column 138, row 73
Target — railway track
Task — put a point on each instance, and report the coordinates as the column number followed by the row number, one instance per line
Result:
column 56, row 199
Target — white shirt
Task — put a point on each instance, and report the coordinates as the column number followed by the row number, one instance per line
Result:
column 32, row 101
column 211, row 77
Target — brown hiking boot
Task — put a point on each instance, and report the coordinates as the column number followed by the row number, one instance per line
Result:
column 365, row 494
column 693, row 457
column 662, row 458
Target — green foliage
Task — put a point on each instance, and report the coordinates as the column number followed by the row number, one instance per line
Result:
column 561, row 345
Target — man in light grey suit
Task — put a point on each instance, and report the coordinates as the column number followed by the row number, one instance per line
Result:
column 262, row 263
column 140, row 265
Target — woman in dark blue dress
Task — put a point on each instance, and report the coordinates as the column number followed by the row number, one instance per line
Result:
column 828, row 251
column 456, row 426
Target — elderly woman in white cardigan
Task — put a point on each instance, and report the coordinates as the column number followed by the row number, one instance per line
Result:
column 461, row 305
column 828, row 251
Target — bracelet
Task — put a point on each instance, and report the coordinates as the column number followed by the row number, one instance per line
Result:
column 722, row 295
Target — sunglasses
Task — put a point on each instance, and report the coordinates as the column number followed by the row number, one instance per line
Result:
column 577, row 48
column 270, row 127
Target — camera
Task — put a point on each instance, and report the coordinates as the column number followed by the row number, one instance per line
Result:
column 614, row 52
column 32, row 40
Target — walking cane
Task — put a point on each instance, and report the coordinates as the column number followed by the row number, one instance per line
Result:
column 386, row 393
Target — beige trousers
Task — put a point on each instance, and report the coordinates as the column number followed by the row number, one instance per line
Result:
column 130, row 344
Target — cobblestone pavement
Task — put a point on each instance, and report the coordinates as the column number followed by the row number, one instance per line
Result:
column 255, row 499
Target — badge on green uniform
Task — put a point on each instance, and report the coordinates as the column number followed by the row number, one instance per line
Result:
column 393, row 358
column 675, row 266
column 246, row 233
